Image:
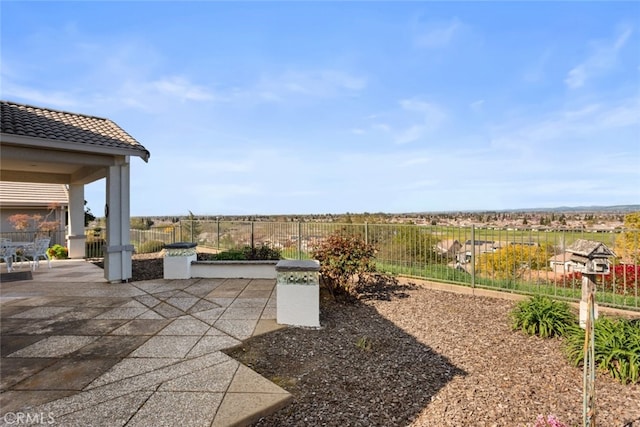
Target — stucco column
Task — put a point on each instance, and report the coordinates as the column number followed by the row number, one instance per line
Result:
column 117, row 256
column 75, row 237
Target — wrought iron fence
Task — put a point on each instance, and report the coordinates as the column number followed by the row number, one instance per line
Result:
column 143, row 241
column 518, row 260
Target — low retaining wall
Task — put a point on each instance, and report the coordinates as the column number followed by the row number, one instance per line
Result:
column 297, row 282
column 233, row 269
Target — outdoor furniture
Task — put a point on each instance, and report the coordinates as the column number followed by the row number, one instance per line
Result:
column 13, row 249
column 7, row 252
column 37, row 250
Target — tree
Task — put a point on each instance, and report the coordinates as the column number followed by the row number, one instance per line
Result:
column 512, row 261
column 141, row 223
column 88, row 216
column 35, row 222
column 191, row 228
column 627, row 245
column 408, row 243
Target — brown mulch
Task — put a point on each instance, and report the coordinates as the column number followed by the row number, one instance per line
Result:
column 143, row 266
column 406, row 355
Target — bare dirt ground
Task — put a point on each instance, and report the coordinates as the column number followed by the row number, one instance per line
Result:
column 406, row 355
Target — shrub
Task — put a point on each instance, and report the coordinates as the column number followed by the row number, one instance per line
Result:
column 150, row 246
column 616, row 347
column 542, row 316
column 548, row 421
column 620, row 280
column 58, row 252
column 343, row 257
column 264, row 252
column 245, row 254
column 229, row 255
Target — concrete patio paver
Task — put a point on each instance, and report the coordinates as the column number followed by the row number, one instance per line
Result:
column 85, row 352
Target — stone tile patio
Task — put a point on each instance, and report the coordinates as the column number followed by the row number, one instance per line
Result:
column 80, row 351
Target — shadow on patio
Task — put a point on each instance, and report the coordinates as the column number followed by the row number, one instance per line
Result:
column 358, row 369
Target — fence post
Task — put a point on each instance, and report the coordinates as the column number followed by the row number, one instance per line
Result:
column 473, row 256
column 252, row 242
column 191, row 230
column 218, row 232
column 299, row 239
column 366, row 232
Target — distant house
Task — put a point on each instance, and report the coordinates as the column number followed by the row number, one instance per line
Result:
column 562, row 263
column 448, row 247
column 48, row 201
column 477, row 247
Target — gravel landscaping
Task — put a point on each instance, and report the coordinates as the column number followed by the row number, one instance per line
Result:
column 407, row 355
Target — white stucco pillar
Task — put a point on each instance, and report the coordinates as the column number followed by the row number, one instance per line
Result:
column 117, row 256
column 76, row 237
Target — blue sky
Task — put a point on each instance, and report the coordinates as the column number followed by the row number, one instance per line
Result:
column 332, row 107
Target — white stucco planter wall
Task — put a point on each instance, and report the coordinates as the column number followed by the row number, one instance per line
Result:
column 298, row 293
column 177, row 260
column 233, row 269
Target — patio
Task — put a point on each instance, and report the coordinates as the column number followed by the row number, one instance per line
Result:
column 78, row 350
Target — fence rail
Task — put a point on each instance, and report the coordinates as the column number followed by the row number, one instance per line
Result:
column 518, row 260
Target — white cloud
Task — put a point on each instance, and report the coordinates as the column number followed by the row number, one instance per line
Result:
column 413, row 133
column 317, row 83
column 181, row 88
column 477, row 105
column 56, row 99
column 536, row 71
column 430, row 115
column 564, row 126
column 437, row 34
column 414, row 120
column 416, row 161
column 603, row 57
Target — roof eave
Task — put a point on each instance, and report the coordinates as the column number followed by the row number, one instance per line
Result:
column 30, row 141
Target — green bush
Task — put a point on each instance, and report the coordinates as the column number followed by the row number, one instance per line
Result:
column 616, row 347
column 58, row 252
column 150, row 246
column 245, row 254
column 229, row 255
column 542, row 316
column 344, row 258
column 264, row 252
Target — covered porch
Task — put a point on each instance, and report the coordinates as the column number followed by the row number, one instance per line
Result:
column 42, row 145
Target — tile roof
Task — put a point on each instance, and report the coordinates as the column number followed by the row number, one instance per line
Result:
column 32, row 194
column 36, row 122
column 589, row 248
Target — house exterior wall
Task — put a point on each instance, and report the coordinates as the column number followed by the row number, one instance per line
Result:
column 8, row 230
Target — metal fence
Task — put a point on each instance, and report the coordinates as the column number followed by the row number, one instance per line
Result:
column 143, row 241
column 518, row 260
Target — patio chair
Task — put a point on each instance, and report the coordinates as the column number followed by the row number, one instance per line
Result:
column 7, row 253
column 37, row 250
